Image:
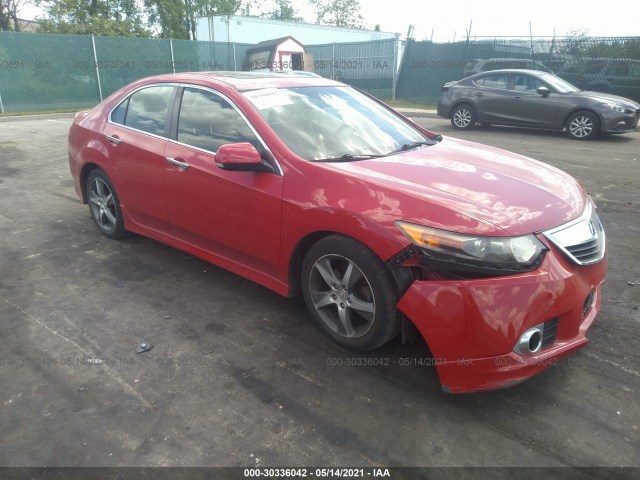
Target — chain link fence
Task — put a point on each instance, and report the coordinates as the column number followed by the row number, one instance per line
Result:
column 610, row 65
column 40, row 72
column 370, row 66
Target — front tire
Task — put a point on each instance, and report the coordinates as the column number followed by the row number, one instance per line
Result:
column 463, row 117
column 104, row 205
column 583, row 125
column 350, row 294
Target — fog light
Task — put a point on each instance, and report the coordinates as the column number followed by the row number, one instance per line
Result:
column 530, row 341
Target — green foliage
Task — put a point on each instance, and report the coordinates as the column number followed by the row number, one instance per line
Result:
column 93, row 17
column 341, row 13
column 96, row 26
column 285, row 11
column 170, row 17
column 165, row 18
column 10, row 13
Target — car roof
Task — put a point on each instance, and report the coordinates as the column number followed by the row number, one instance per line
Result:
column 503, row 59
column 243, row 81
column 510, row 70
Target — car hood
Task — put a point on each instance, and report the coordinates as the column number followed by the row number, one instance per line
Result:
column 515, row 195
column 608, row 98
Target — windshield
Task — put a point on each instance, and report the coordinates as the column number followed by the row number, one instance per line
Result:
column 320, row 123
column 559, row 84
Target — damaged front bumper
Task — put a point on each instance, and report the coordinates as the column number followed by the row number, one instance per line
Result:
column 472, row 326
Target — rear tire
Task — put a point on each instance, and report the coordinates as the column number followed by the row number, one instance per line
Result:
column 350, row 294
column 104, row 205
column 583, row 125
column 463, row 117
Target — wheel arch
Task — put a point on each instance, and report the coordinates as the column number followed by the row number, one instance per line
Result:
column 575, row 110
column 87, row 168
column 462, row 101
column 400, row 276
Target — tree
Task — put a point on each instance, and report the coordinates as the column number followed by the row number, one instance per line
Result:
column 177, row 18
column 169, row 17
column 93, row 17
column 285, row 11
column 9, row 11
column 341, row 13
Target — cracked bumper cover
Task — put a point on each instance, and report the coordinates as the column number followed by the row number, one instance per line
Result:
column 472, row 326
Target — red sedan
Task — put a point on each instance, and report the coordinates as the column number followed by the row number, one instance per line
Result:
column 305, row 185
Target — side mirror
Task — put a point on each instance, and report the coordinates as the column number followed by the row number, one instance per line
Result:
column 241, row 157
column 544, row 91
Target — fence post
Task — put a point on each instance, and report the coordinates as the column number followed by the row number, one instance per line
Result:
column 333, row 61
column 173, row 62
column 532, row 52
column 235, row 65
column 395, row 68
column 95, row 61
column 1, row 105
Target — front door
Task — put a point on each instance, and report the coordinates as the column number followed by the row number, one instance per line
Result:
column 234, row 214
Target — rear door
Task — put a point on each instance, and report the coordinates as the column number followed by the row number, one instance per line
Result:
column 137, row 131
column 233, row 214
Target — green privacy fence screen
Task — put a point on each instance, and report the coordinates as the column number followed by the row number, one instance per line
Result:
column 609, row 65
column 41, row 72
column 47, row 72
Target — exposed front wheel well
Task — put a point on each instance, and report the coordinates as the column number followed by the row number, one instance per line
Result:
column 297, row 256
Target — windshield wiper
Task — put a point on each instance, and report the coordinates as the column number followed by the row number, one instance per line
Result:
column 412, row 145
column 348, row 157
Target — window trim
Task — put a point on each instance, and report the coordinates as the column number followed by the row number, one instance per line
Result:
column 506, row 88
column 512, row 83
column 127, row 98
column 176, row 114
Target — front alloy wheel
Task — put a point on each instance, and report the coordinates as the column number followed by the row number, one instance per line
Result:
column 342, row 296
column 350, row 293
column 583, row 126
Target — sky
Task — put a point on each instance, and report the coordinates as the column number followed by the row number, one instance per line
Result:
column 449, row 21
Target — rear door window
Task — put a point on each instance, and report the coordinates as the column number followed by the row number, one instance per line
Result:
column 147, row 109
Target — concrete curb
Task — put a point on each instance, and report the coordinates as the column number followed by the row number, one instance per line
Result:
column 44, row 116
column 417, row 113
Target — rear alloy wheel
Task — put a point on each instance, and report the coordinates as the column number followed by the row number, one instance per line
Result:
column 463, row 117
column 583, row 125
column 350, row 294
column 104, row 205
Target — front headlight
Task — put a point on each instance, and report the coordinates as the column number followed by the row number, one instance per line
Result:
column 512, row 254
column 619, row 108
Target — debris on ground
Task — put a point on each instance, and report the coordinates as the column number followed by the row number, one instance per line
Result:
column 144, row 347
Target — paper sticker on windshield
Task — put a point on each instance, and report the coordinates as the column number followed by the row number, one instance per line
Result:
column 268, row 98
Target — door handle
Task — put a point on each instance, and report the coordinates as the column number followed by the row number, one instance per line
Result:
column 113, row 139
column 177, row 162
column 478, row 94
column 517, row 98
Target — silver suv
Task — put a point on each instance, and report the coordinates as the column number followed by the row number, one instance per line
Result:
column 478, row 65
column 620, row 76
